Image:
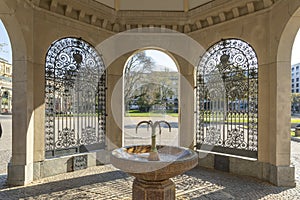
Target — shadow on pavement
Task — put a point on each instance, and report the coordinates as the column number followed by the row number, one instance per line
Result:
column 60, row 186
column 198, row 183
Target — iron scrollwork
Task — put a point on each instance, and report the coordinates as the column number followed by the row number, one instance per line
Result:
column 75, row 96
column 227, row 98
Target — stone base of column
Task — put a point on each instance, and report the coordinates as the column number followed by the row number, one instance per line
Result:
column 282, row 176
column 19, row 175
column 146, row 190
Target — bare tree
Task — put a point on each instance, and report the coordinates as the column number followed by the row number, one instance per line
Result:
column 1, row 47
column 135, row 69
column 295, row 102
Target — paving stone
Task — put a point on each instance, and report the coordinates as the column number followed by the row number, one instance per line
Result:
column 106, row 182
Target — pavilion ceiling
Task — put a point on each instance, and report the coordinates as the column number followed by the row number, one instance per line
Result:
column 154, row 5
column 182, row 15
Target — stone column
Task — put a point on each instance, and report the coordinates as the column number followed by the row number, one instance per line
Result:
column 17, row 17
column 39, row 118
column 281, row 173
column 20, row 169
column 284, row 25
column 115, row 103
column 274, row 144
column 186, row 103
column 158, row 190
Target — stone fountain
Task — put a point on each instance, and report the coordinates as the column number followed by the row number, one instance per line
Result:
column 153, row 166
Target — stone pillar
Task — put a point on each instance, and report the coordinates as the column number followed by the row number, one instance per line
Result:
column 281, row 173
column 284, row 25
column 156, row 190
column 39, row 118
column 263, row 114
column 186, row 104
column 115, row 103
column 20, row 170
column 274, row 124
column 17, row 17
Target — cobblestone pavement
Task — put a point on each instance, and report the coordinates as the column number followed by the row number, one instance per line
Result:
column 5, row 142
column 106, row 182
column 295, row 159
column 144, row 136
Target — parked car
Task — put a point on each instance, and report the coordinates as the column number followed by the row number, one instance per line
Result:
column 133, row 107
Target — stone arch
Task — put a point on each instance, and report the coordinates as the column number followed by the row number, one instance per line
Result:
column 289, row 29
column 116, row 51
column 287, row 37
column 20, row 169
column 227, row 90
column 156, row 81
column 75, row 100
column 165, row 40
column 165, row 51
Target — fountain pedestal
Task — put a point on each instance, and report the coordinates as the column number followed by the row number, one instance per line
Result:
column 153, row 190
column 152, row 178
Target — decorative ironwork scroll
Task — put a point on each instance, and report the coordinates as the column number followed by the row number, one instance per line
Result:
column 227, row 99
column 75, row 98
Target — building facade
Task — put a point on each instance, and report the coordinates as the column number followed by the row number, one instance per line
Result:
column 5, row 86
column 296, row 78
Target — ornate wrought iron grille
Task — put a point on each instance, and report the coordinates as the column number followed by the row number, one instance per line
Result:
column 227, row 99
column 75, row 98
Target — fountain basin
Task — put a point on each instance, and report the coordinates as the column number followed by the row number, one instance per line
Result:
column 173, row 161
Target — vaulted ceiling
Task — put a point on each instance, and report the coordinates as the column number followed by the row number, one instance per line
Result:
column 154, row 5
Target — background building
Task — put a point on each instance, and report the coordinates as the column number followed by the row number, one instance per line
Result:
column 5, row 86
column 296, row 78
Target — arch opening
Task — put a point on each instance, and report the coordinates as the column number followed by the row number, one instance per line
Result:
column 5, row 98
column 150, row 92
column 227, row 99
column 75, row 98
column 288, row 55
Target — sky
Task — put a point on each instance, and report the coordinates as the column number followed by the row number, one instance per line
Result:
column 6, row 50
column 296, row 50
column 160, row 58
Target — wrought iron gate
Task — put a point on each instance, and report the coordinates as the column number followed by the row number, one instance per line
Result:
column 75, row 98
column 227, row 99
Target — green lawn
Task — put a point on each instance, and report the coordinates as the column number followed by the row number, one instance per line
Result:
column 135, row 113
column 152, row 114
column 295, row 120
column 148, row 114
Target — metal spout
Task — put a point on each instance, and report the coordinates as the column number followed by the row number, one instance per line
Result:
column 153, row 153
